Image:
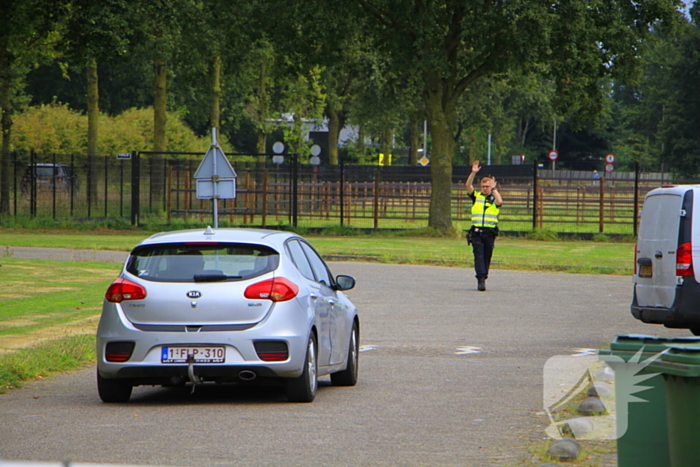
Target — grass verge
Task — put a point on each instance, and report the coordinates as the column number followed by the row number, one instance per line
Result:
column 44, row 360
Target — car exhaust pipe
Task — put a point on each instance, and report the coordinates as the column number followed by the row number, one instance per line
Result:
column 247, row 375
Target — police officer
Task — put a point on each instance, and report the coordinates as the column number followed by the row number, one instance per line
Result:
column 484, row 230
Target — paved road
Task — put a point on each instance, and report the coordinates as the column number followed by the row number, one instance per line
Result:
column 448, row 376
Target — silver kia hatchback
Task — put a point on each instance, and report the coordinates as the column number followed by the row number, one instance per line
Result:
column 226, row 306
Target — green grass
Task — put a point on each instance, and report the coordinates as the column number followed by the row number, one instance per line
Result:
column 38, row 294
column 44, row 360
column 591, row 257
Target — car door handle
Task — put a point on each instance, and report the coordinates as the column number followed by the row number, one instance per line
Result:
column 658, row 255
column 313, row 296
column 332, row 302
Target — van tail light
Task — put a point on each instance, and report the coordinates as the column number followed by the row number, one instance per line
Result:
column 684, row 260
column 278, row 289
column 123, row 289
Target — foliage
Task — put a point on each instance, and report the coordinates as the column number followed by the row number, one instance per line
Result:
column 55, row 128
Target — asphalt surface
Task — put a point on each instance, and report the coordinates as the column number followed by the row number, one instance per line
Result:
column 448, row 376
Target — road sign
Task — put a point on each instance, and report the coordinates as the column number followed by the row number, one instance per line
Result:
column 553, row 155
column 214, row 163
column 609, row 167
column 610, row 158
column 423, row 161
column 215, row 177
column 124, row 156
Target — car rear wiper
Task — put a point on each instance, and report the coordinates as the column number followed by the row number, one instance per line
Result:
column 213, row 277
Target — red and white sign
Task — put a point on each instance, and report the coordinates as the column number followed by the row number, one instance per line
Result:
column 553, row 155
column 610, row 158
column 609, row 168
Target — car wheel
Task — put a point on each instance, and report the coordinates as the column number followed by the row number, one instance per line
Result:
column 113, row 390
column 303, row 388
column 348, row 376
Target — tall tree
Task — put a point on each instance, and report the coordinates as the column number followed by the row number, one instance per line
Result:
column 96, row 31
column 452, row 44
column 27, row 36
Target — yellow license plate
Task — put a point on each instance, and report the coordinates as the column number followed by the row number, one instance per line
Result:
column 645, row 271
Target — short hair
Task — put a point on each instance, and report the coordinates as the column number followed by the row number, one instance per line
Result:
column 487, row 177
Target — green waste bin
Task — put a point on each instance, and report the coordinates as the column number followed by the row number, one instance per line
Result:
column 680, row 367
column 645, row 440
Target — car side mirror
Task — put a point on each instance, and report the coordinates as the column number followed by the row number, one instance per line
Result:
column 344, row 282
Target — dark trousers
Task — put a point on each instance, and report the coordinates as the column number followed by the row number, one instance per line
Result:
column 482, row 245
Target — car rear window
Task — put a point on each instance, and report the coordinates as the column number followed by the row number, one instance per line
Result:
column 203, row 262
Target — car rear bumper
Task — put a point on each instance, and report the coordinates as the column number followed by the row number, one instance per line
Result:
column 144, row 366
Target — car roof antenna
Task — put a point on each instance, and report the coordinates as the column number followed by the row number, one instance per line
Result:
column 209, row 231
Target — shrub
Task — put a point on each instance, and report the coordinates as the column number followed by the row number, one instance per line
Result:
column 55, row 128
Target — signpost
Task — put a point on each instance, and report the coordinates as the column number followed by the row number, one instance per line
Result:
column 553, row 155
column 215, row 178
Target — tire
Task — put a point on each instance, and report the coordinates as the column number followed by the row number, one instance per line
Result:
column 348, row 376
column 113, row 390
column 303, row 388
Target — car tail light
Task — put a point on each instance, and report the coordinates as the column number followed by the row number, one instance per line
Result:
column 123, row 289
column 278, row 289
column 684, row 260
column 119, row 351
column 272, row 351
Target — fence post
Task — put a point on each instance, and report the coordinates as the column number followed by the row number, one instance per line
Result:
column 342, row 192
column 601, row 210
column 106, row 183
column 376, row 199
column 54, row 172
column 264, row 197
column 135, row 188
column 169, row 196
column 535, row 190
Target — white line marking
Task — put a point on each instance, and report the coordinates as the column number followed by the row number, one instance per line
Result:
column 468, row 350
column 584, row 352
column 367, row 348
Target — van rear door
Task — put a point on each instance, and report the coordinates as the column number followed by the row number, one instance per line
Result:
column 655, row 276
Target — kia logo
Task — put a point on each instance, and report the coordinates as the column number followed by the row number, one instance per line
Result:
column 194, row 294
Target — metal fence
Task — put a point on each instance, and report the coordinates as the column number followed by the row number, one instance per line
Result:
column 371, row 197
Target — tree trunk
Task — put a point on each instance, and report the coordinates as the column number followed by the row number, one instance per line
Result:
column 93, row 113
column 387, row 145
column 6, row 119
column 442, row 115
column 333, row 132
column 361, row 144
column 215, row 118
column 160, row 119
column 414, row 129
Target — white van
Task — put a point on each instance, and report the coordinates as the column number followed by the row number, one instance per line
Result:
column 666, row 286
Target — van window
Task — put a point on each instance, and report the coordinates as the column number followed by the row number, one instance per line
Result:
column 660, row 217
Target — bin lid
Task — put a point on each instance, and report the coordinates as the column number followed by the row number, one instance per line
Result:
column 652, row 344
column 680, row 360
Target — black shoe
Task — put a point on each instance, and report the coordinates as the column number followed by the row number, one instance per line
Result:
column 481, row 284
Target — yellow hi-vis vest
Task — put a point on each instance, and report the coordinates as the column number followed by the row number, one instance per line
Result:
column 484, row 214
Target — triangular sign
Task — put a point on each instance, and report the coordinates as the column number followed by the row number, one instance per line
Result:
column 214, row 163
